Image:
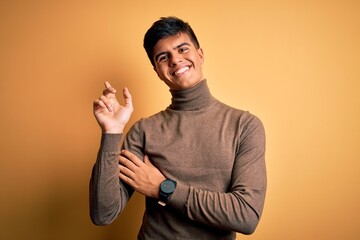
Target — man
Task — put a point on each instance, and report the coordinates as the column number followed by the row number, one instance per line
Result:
column 199, row 162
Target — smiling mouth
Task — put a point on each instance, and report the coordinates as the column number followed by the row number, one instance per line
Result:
column 181, row 70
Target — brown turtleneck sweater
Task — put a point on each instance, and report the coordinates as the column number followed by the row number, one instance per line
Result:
column 214, row 152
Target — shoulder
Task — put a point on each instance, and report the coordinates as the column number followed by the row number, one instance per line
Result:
column 150, row 120
column 244, row 120
column 244, row 115
column 253, row 129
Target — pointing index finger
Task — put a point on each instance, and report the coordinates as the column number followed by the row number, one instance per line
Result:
column 108, row 89
column 107, row 84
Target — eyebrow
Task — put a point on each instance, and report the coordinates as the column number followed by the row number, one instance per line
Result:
column 177, row 47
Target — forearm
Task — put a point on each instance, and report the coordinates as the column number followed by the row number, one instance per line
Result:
column 237, row 211
column 108, row 196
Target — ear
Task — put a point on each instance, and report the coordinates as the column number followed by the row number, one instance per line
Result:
column 201, row 54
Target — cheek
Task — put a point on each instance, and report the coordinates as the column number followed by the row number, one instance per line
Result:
column 194, row 59
column 162, row 73
column 159, row 69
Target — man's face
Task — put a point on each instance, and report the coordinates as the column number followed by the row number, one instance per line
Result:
column 177, row 62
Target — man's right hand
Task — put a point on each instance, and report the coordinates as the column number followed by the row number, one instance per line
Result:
column 111, row 116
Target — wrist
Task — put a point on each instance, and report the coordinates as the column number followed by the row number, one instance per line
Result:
column 115, row 130
column 167, row 188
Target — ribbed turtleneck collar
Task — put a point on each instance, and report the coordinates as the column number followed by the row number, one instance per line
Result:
column 191, row 99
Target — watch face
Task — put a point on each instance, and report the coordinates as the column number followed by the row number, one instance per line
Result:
column 168, row 186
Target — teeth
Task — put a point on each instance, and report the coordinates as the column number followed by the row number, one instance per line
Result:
column 181, row 70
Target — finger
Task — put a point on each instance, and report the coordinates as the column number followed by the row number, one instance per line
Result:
column 128, row 98
column 106, row 102
column 124, row 161
column 132, row 157
column 125, row 178
column 109, row 92
column 98, row 104
column 108, row 89
column 126, row 171
column 107, row 84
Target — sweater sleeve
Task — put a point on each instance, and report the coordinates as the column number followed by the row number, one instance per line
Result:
column 108, row 195
column 240, row 208
column 134, row 140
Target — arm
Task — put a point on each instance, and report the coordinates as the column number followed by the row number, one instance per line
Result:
column 240, row 208
column 108, row 195
column 136, row 170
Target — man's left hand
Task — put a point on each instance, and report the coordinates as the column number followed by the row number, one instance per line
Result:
column 143, row 177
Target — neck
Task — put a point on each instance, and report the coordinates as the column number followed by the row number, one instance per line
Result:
column 193, row 98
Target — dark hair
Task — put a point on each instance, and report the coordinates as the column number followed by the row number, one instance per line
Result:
column 165, row 27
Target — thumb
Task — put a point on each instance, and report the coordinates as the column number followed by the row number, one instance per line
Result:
column 128, row 98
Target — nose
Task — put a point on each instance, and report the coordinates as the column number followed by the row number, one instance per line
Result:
column 174, row 59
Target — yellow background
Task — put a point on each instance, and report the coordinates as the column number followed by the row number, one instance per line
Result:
column 295, row 64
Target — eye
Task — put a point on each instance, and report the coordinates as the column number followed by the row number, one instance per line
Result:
column 162, row 58
column 183, row 49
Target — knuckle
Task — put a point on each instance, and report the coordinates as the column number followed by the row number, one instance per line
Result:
column 102, row 98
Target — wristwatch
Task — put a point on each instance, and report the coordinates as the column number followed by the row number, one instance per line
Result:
column 167, row 187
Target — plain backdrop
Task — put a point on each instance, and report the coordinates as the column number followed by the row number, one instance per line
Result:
column 295, row 64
